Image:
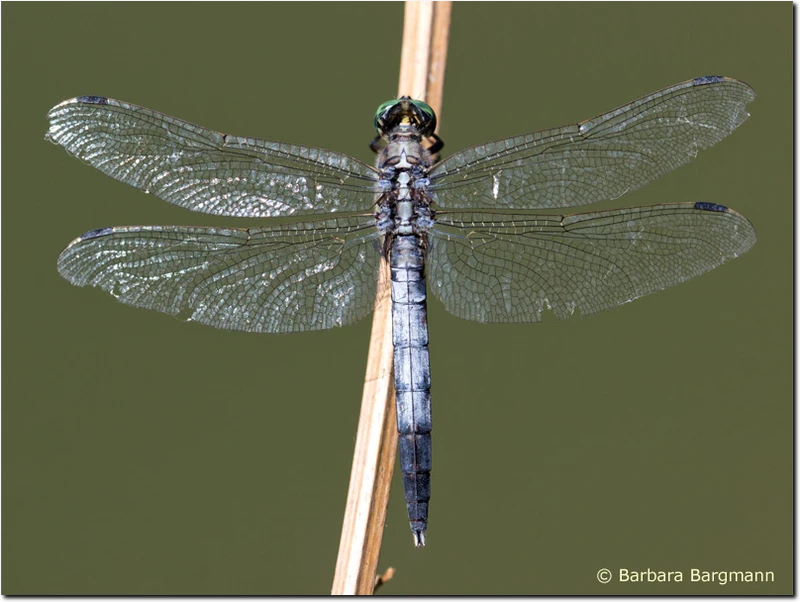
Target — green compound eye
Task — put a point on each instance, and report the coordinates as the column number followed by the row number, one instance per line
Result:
column 405, row 110
column 382, row 109
column 428, row 124
column 425, row 108
column 385, row 105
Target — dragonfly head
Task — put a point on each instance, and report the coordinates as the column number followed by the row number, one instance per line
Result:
column 405, row 111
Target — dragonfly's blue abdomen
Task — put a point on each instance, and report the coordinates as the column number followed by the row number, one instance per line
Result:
column 412, row 378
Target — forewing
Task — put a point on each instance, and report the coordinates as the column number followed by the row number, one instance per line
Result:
column 206, row 171
column 599, row 159
column 496, row 267
column 294, row 277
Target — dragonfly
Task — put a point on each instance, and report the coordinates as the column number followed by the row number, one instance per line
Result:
column 475, row 229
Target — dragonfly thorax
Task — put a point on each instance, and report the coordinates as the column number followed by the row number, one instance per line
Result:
column 404, row 205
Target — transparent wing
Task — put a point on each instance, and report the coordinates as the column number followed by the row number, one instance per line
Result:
column 599, row 159
column 206, row 171
column 506, row 267
column 287, row 278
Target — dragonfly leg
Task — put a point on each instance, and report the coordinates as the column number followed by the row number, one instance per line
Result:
column 375, row 145
column 438, row 144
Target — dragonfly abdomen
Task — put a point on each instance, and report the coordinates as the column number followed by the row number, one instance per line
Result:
column 412, row 377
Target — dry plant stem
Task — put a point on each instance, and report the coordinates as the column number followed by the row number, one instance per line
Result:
column 438, row 57
column 381, row 579
column 425, row 34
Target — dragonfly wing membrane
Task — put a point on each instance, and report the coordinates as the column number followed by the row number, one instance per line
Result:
column 596, row 160
column 203, row 170
column 506, row 267
column 287, row 278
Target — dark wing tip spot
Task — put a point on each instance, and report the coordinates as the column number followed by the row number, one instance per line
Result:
column 95, row 100
column 711, row 207
column 707, row 79
column 96, row 233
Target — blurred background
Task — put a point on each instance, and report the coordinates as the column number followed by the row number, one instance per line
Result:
column 144, row 455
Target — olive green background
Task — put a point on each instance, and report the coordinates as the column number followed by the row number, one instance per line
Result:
column 145, row 455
